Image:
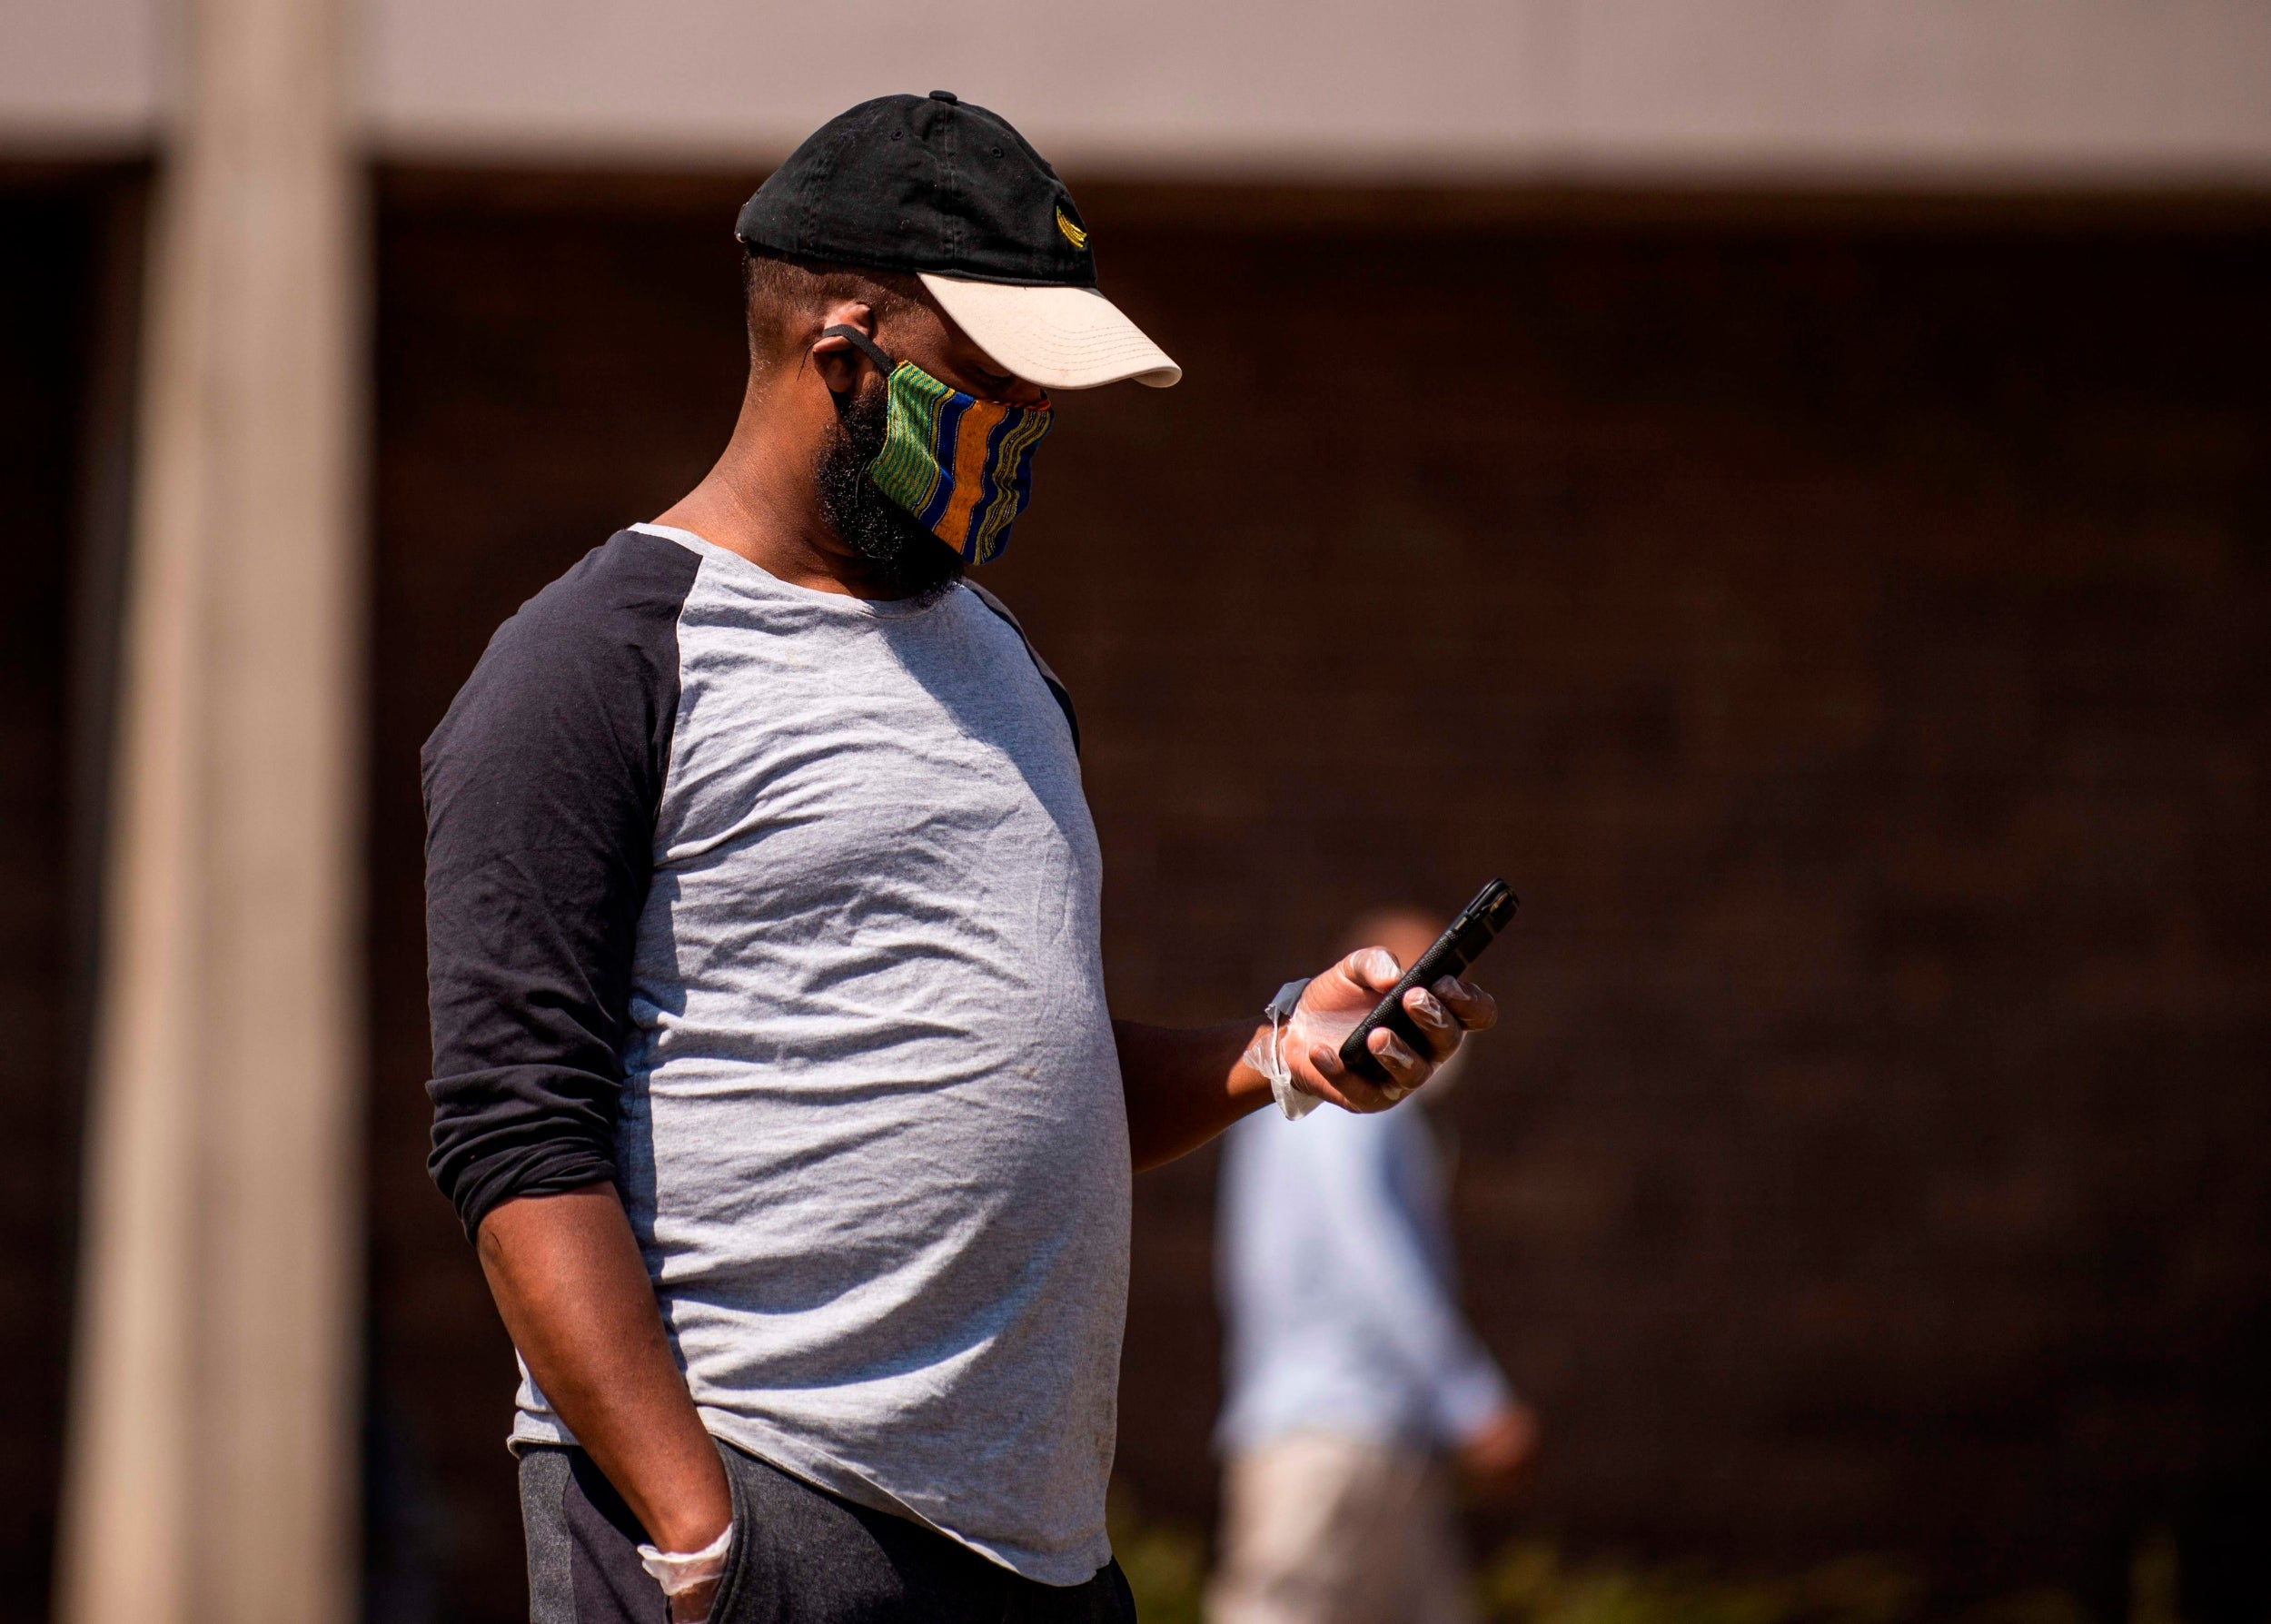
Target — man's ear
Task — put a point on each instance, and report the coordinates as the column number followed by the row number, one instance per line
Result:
column 838, row 363
column 835, row 359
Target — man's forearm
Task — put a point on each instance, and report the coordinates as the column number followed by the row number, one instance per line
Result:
column 1184, row 1085
column 568, row 1279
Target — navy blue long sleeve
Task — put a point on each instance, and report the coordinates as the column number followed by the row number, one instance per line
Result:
column 541, row 789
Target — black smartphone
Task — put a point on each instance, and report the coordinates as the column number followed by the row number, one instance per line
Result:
column 1461, row 943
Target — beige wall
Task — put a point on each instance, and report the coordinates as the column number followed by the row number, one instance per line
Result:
column 76, row 73
column 1456, row 86
column 1962, row 90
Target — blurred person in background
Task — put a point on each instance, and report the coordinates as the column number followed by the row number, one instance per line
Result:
column 1354, row 1384
column 773, row 1074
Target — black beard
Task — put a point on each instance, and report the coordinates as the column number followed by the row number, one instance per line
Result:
column 904, row 560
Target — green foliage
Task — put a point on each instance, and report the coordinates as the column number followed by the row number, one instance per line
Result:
column 1529, row 1584
column 1165, row 1563
column 2044, row 1604
column 2153, row 1582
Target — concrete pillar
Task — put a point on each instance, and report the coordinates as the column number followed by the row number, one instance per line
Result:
column 213, row 1461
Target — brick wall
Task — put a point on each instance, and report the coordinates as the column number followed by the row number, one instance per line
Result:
column 1848, row 631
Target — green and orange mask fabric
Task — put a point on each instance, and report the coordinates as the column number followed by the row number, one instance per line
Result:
column 962, row 466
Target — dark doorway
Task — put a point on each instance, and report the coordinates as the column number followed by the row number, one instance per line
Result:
column 69, row 273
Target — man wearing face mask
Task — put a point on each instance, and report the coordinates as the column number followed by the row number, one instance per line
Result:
column 773, row 1078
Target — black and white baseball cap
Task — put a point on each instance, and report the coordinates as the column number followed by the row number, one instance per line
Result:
column 945, row 190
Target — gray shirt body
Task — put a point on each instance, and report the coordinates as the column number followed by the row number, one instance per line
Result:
column 870, row 1134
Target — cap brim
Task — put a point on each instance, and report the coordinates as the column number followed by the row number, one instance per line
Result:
column 1060, row 338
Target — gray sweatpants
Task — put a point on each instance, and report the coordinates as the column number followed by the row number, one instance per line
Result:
column 800, row 1556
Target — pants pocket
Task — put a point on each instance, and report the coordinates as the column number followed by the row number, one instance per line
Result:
column 742, row 1598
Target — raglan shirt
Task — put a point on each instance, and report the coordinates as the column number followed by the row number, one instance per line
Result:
column 779, row 909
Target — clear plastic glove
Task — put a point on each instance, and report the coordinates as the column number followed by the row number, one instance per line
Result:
column 690, row 1578
column 1301, row 1056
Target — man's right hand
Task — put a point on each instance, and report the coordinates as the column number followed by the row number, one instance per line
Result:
column 692, row 1607
column 567, row 1275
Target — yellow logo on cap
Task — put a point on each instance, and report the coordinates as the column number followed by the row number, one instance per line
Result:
column 1073, row 233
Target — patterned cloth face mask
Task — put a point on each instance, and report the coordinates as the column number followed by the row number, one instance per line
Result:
column 962, row 466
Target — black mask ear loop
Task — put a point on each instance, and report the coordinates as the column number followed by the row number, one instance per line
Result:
column 885, row 365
